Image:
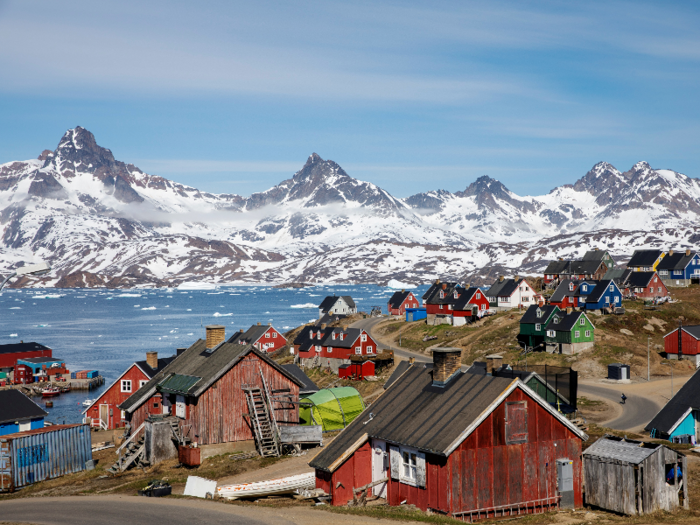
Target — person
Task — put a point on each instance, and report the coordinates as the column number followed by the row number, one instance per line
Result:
column 670, row 475
column 624, row 398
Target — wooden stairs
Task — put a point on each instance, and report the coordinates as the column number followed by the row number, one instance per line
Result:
column 263, row 420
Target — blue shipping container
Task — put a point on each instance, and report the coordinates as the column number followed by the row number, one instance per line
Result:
column 38, row 455
column 72, row 375
column 416, row 314
column 92, row 374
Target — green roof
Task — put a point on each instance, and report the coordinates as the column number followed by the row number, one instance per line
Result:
column 178, row 384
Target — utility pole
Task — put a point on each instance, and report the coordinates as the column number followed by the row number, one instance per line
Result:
column 648, row 375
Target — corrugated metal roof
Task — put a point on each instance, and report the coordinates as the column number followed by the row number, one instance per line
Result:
column 22, row 347
column 619, row 450
column 178, row 384
column 687, row 397
column 14, row 405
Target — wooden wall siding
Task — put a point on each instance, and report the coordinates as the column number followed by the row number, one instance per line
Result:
column 115, row 397
column 614, row 485
column 691, row 346
column 483, row 471
column 217, row 415
column 152, row 406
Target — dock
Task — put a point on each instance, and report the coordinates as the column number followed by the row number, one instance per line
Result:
column 34, row 389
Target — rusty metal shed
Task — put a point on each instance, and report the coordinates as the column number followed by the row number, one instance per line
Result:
column 629, row 476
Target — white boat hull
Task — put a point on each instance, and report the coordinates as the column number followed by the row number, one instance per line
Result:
column 270, row 487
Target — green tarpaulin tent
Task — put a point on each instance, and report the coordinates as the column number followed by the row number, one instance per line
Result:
column 332, row 408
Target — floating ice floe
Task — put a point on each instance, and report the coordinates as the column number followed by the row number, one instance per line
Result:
column 306, row 305
column 196, row 286
column 49, row 296
column 128, row 295
column 137, row 306
column 398, row 285
column 189, row 309
column 149, row 308
column 15, row 308
column 14, row 335
column 217, row 314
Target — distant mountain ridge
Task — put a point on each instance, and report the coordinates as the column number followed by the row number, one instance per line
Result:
column 100, row 221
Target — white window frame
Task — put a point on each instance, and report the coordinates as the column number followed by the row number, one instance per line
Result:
column 612, row 287
column 267, row 335
column 274, row 335
column 440, row 307
column 588, row 333
column 141, row 383
column 318, row 349
column 180, row 407
column 616, row 299
column 329, row 349
column 126, row 385
column 582, row 321
column 370, row 349
column 577, row 334
column 478, row 295
column 538, row 327
column 411, row 473
column 607, row 299
column 551, row 333
column 449, row 307
column 363, row 338
column 358, row 350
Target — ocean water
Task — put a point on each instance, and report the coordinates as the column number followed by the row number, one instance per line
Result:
column 107, row 330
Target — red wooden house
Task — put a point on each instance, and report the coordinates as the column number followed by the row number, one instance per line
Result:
column 357, row 370
column 455, row 304
column 104, row 411
column 204, row 388
column 332, row 347
column 467, row 299
column 400, row 301
column 465, row 445
column 645, row 285
column 264, row 338
column 683, row 343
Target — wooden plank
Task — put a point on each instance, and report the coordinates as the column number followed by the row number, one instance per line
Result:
column 500, row 475
column 515, row 474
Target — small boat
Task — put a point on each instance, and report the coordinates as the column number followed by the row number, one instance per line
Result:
column 88, row 402
column 288, row 485
column 50, row 391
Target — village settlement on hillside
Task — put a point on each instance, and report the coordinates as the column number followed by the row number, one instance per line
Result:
column 484, row 441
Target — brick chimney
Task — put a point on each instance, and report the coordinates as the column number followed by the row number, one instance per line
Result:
column 323, row 326
column 444, row 286
column 569, row 310
column 216, row 334
column 446, row 363
column 152, row 359
column 493, row 361
column 670, row 252
column 687, row 252
column 258, row 323
column 500, row 278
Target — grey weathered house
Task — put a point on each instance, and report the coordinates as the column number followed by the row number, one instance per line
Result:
column 629, row 477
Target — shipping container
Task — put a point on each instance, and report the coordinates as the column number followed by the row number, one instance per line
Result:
column 46, row 453
column 73, row 376
column 92, row 374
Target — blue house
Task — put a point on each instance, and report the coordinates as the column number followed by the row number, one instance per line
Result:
column 679, row 268
column 19, row 413
column 606, row 294
column 680, row 415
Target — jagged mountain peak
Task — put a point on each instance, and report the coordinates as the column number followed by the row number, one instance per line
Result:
column 485, row 184
column 78, row 151
column 318, row 171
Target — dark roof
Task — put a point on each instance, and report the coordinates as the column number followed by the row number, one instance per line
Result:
column 563, row 289
column 328, row 318
column 350, row 336
column 251, row 336
column 594, row 255
column 639, row 279
column 398, row 372
column 677, row 261
column 687, row 397
column 162, row 363
column 415, row 413
column 619, row 275
column 566, row 321
column 14, row 406
column 308, row 386
column 583, row 267
column 597, row 294
column 644, row 258
column 530, row 315
column 39, row 360
column 197, row 361
column 398, row 298
column 504, row 288
column 693, row 330
column 556, row 267
column 22, row 347
column 327, row 304
column 433, row 293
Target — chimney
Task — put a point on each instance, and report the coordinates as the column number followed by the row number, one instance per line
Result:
column 444, row 286
column 344, row 327
column 670, row 252
column 402, row 290
column 269, row 324
column 152, row 359
column 437, row 281
column 569, row 310
column 180, row 350
column 516, row 277
column 411, row 360
column 258, row 323
column 687, row 252
column 446, row 363
column 500, row 278
column 493, row 361
column 561, row 258
column 216, row 334
column 323, row 326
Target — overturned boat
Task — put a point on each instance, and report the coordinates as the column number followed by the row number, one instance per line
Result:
column 289, row 485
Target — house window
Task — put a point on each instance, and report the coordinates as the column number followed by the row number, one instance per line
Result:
column 449, row 307
column 311, row 334
column 180, row 410
column 664, row 272
column 483, row 307
column 274, row 335
column 319, row 336
column 267, row 335
column 617, row 299
column 370, row 349
column 539, row 313
column 358, row 350
column 538, row 327
column 556, row 320
column 607, row 299
column 582, row 321
column 588, row 333
column 516, row 422
column 407, row 465
column 440, row 307
column 478, row 295
column 442, row 295
column 122, row 414
column 329, row 350
column 505, row 299
column 577, row 334
column 659, row 289
column 655, row 279
column 584, row 288
column 363, row 338
column 333, row 336
column 318, row 349
column 142, row 382
column 126, row 385
column 571, row 287
column 612, row 287
column 550, row 333
column 456, row 295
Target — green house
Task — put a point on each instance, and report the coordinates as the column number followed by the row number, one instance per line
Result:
column 533, row 324
column 569, row 332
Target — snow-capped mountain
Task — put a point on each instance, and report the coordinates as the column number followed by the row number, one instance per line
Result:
column 102, row 222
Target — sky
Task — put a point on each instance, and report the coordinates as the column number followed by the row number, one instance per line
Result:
column 232, row 97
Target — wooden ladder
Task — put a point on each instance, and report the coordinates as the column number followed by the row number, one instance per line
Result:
column 262, row 422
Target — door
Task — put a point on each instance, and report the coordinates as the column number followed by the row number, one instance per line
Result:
column 104, row 414
column 379, row 466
